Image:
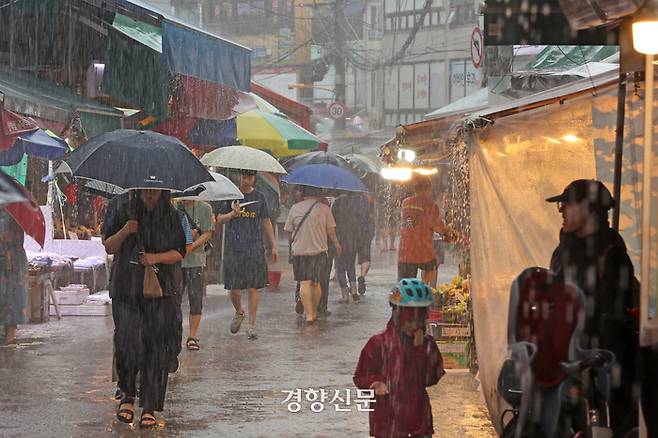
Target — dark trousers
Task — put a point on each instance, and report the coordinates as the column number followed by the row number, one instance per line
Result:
column 147, row 339
column 324, row 280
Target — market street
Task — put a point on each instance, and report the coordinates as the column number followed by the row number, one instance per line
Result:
column 56, row 382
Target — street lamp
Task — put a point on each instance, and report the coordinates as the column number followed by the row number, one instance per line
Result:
column 645, row 37
column 645, row 41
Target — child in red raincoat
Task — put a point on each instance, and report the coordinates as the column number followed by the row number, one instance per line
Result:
column 399, row 363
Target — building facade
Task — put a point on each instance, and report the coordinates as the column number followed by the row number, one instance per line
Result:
column 436, row 69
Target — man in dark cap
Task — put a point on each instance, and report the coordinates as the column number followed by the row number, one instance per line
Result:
column 593, row 256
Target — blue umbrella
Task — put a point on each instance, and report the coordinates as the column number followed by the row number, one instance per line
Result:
column 39, row 144
column 35, row 143
column 325, row 176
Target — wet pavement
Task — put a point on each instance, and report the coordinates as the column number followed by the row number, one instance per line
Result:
column 56, row 382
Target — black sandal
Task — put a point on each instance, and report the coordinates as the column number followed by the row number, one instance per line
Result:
column 192, row 344
column 148, row 421
column 130, row 411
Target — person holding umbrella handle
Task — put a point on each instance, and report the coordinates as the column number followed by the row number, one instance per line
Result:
column 145, row 232
column 245, row 266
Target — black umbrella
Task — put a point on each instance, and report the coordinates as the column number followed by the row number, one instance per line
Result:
column 10, row 190
column 132, row 159
column 317, row 157
column 363, row 164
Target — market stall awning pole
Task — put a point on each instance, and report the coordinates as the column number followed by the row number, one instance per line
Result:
column 619, row 148
column 648, row 329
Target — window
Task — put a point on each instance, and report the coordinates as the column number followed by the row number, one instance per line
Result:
column 374, row 17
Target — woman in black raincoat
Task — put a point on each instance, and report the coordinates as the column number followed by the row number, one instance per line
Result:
column 145, row 231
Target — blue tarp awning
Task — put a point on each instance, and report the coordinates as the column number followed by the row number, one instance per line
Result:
column 189, row 50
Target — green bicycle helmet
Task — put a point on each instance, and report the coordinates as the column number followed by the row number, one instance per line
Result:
column 411, row 292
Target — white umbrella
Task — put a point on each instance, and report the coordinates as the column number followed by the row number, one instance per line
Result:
column 243, row 158
column 222, row 189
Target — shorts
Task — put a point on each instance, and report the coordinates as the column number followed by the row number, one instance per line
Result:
column 309, row 268
column 245, row 271
column 363, row 250
column 410, row 270
column 194, row 283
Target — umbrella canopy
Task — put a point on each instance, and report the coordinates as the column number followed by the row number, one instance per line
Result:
column 363, row 165
column 264, row 105
column 267, row 131
column 26, row 212
column 37, row 143
column 137, row 160
column 43, row 144
column 10, row 190
column 316, row 157
column 242, row 158
column 325, row 176
column 222, row 189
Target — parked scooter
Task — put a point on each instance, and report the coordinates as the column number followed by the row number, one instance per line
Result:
column 556, row 389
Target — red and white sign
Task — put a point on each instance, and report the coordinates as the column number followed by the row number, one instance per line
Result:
column 477, row 47
column 336, row 111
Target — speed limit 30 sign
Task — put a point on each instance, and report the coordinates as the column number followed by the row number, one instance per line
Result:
column 336, row 111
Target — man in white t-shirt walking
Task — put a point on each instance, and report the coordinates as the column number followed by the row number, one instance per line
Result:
column 309, row 225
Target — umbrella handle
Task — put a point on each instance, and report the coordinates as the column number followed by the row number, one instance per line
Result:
column 132, row 215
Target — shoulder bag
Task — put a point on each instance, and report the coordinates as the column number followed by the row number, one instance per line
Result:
column 299, row 226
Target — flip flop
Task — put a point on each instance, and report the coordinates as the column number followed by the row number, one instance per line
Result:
column 130, row 411
column 192, row 344
column 148, row 421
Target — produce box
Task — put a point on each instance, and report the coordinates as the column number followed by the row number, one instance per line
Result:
column 38, row 298
column 455, row 354
column 83, row 310
column 71, row 297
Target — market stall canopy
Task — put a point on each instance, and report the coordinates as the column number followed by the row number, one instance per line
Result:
column 295, row 111
column 275, row 134
column 185, row 49
column 242, row 158
column 25, row 94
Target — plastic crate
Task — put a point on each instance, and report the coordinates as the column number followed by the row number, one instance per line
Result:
column 455, row 354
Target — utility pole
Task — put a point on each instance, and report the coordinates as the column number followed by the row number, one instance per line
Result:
column 303, row 32
column 339, row 62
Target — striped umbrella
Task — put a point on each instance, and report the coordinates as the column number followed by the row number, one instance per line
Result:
column 281, row 137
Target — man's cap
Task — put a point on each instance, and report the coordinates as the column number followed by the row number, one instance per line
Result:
column 248, row 172
column 590, row 190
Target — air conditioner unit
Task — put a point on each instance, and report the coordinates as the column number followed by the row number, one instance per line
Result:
column 585, row 14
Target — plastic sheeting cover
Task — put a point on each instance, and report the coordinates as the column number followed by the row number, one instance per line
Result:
column 515, row 165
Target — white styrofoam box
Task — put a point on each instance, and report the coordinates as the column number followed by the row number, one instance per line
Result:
column 83, row 310
column 75, row 287
column 71, row 297
column 100, row 298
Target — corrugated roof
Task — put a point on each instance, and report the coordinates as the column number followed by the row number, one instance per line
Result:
column 29, row 95
column 549, row 96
